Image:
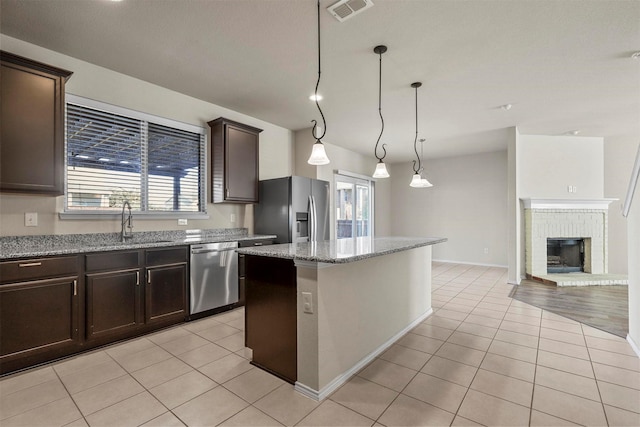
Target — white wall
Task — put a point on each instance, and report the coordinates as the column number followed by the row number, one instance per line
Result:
column 619, row 154
column 90, row 81
column 346, row 160
column 467, row 205
column 548, row 164
column 633, row 233
column 515, row 242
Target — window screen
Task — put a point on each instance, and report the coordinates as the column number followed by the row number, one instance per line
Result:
column 112, row 158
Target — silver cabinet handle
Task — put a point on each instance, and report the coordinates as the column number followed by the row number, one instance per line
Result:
column 30, row 264
column 257, row 244
column 75, row 288
column 149, row 276
column 137, row 278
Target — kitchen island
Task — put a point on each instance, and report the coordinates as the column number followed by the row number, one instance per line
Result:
column 318, row 312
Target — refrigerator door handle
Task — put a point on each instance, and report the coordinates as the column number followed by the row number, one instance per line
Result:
column 312, row 219
column 315, row 219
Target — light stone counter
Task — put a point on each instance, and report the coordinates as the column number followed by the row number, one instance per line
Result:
column 342, row 250
column 15, row 247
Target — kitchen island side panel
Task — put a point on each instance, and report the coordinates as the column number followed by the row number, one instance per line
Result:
column 359, row 310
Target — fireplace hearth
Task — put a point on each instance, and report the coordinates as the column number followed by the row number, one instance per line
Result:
column 565, row 255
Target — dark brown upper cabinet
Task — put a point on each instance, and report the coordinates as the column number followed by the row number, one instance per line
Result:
column 234, row 162
column 32, row 126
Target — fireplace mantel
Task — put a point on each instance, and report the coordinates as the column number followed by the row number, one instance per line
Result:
column 567, row 203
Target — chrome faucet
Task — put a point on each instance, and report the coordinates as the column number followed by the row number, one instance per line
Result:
column 124, row 234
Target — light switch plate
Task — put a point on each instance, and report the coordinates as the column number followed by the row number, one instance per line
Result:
column 307, row 302
column 31, row 219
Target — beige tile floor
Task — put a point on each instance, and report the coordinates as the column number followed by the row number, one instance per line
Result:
column 481, row 359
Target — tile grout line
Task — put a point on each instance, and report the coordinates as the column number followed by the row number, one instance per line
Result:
column 595, row 377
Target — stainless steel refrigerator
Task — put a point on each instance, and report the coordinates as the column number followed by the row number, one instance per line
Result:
column 295, row 208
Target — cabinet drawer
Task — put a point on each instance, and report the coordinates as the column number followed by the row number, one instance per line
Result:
column 38, row 268
column 112, row 260
column 162, row 256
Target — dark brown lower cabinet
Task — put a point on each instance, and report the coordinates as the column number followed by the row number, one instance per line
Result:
column 39, row 320
column 270, row 315
column 113, row 303
column 55, row 306
column 166, row 294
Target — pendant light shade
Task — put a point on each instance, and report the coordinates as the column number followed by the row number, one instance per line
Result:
column 418, row 181
column 318, row 153
column 381, row 168
column 424, row 183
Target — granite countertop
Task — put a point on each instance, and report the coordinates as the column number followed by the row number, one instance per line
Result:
column 14, row 247
column 342, row 250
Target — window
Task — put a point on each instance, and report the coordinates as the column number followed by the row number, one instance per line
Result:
column 354, row 202
column 114, row 154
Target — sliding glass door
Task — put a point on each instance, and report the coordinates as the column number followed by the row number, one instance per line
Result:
column 354, row 202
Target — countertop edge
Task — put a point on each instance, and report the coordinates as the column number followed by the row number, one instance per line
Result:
column 128, row 246
column 264, row 251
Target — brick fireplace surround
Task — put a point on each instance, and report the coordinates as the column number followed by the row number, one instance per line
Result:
column 583, row 219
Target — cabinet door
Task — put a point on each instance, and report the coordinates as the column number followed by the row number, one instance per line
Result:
column 166, row 294
column 32, row 131
column 234, row 161
column 38, row 318
column 113, row 303
column 241, row 169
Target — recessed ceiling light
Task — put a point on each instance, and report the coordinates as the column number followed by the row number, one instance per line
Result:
column 124, row 162
column 315, row 97
column 636, row 55
column 81, row 156
column 506, row 107
column 104, row 159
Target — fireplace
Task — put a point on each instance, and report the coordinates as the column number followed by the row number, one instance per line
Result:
column 571, row 220
column 565, row 255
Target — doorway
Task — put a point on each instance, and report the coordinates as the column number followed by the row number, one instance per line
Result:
column 354, row 207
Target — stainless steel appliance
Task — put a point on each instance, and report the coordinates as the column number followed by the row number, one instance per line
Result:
column 214, row 276
column 294, row 208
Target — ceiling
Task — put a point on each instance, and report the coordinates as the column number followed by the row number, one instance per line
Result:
column 563, row 65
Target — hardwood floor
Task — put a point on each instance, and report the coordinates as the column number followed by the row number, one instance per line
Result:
column 603, row 307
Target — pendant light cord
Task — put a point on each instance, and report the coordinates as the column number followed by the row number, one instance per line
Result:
column 415, row 141
column 375, row 152
column 315, row 123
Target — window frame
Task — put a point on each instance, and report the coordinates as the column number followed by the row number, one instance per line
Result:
column 65, row 213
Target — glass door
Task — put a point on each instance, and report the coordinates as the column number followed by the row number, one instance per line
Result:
column 353, row 207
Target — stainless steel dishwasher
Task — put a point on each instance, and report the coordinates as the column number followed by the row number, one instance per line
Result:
column 214, row 276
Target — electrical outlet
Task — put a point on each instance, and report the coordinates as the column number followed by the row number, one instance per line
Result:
column 233, row 217
column 307, row 302
column 575, row 189
column 182, row 221
column 31, row 219
column 570, row 189
column 486, row 250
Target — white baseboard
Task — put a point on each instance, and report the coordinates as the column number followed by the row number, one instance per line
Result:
column 321, row 394
column 447, row 261
column 633, row 345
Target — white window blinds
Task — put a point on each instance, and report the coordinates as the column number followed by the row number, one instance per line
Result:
column 113, row 157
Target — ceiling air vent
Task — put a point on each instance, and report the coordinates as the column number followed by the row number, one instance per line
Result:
column 346, row 9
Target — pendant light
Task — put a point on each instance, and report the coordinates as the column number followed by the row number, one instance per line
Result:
column 381, row 168
column 417, row 181
column 318, row 154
